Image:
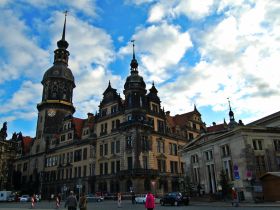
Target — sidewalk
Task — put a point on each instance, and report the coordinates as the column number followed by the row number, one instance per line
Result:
column 228, row 204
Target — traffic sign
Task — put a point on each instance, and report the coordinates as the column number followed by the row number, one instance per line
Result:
column 79, row 186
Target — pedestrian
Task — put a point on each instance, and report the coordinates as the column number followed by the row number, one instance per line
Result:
column 234, row 195
column 83, row 202
column 119, row 197
column 33, row 201
column 198, row 189
column 150, row 201
column 71, row 201
column 58, row 201
column 133, row 197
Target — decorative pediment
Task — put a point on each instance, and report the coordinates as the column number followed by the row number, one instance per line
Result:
column 161, row 156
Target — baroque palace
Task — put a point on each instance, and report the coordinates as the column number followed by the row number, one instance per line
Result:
column 130, row 144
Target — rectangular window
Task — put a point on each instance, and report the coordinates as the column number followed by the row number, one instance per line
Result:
column 101, row 150
column 113, row 124
column 128, row 142
column 105, row 149
column 118, row 147
column 69, row 135
column 112, row 147
column 77, row 155
column 85, row 154
column 118, row 166
column 104, row 112
column 62, row 138
column 75, row 172
column 106, row 168
column 225, row 150
column 173, row 167
column 114, row 109
column 129, row 163
column 24, row 166
column 101, row 168
column 209, row 155
column 257, row 144
column 276, row 143
column 79, row 171
column 85, row 171
column 112, row 167
column 70, row 173
column 161, row 165
column 151, row 121
column 160, row 126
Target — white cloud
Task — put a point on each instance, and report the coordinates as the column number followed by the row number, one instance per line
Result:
column 160, row 48
column 23, row 99
column 193, row 9
column 19, row 49
column 239, row 60
column 87, row 7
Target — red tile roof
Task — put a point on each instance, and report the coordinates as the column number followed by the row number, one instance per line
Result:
column 216, row 128
column 78, row 126
column 27, row 142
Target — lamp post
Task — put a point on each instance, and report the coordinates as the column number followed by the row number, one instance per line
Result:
column 153, row 185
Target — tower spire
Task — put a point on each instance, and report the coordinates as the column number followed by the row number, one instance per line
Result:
column 231, row 114
column 63, row 33
column 63, row 43
column 133, row 63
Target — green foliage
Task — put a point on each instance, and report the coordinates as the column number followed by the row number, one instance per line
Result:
column 224, row 183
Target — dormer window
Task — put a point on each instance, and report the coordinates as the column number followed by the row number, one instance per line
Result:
column 154, row 107
column 114, row 109
column 104, row 112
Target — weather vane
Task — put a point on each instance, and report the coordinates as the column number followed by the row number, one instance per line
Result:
column 229, row 103
column 133, row 40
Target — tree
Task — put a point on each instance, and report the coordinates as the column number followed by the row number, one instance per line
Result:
column 188, row 185
column 224, row 183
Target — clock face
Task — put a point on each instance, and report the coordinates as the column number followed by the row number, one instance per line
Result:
column 51, row 112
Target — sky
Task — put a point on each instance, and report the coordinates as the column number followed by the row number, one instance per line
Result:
column 197, row 52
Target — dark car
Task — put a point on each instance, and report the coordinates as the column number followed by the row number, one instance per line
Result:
column 175, row 198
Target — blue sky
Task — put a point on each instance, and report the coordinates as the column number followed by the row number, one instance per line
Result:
column 196, row 51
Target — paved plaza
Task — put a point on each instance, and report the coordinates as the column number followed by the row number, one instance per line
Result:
column 112, row 205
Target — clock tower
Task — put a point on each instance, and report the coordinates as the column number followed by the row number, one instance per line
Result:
column 58, row 84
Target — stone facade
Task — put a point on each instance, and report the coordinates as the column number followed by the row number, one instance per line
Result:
column 245, row 153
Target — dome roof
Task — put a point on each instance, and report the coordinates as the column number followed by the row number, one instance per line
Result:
column 134, row 81
column 59, row 70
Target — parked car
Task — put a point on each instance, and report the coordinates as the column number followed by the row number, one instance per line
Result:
column 11, row 198
column 94, row 198
column 24, row 198
column 140, row 199
column 175, row 198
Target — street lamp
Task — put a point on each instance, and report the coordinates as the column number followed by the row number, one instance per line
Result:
column 153, row 185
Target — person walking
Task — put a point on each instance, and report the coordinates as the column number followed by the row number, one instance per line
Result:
column 83, row 202
column 58, row 201
column 119, row 197
column 33, row 201
column 150, row 201
column 234, row 195
column 71, row 201
column 133, row 198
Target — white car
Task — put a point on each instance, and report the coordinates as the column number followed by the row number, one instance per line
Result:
column 94, row 198
column 24, row 198
column 140, row 199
